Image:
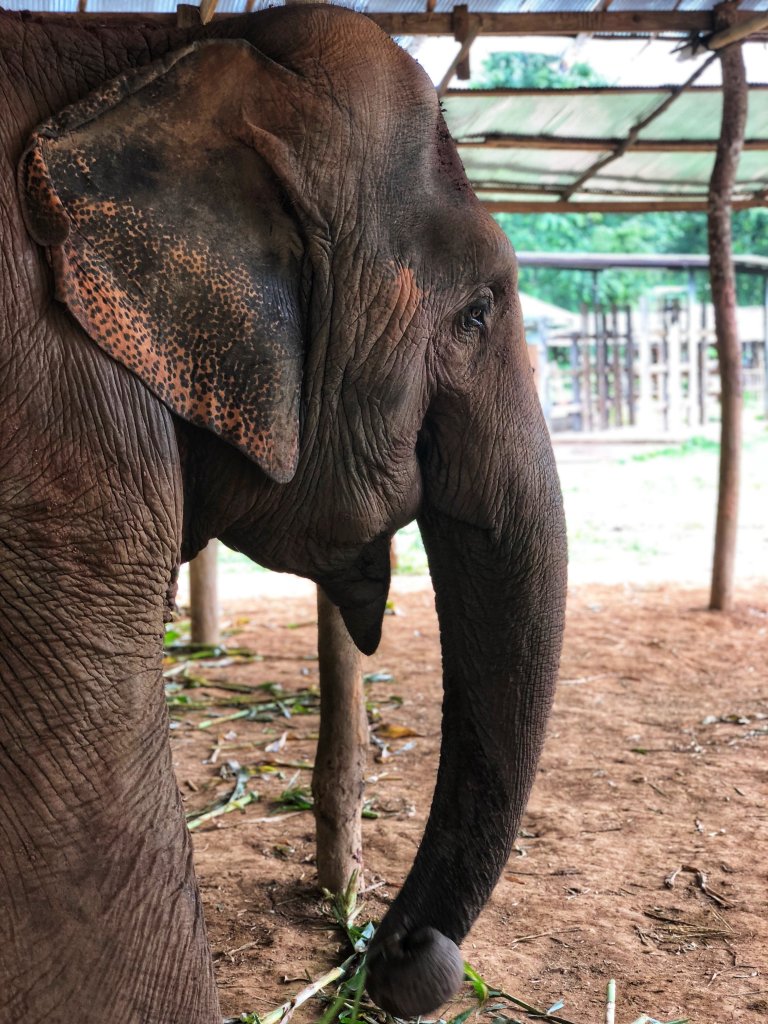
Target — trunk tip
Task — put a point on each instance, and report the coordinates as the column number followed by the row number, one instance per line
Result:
column 414, row 973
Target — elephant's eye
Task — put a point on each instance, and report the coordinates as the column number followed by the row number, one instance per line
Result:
column 474, row 317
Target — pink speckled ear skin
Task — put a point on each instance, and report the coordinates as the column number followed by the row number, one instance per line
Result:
column 171, row 246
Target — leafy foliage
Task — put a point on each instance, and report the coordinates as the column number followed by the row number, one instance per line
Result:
column 518, row 70
column 636, row 233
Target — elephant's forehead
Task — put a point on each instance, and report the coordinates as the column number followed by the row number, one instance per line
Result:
column 339, row 47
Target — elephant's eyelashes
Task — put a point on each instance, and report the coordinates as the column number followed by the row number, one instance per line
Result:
column 474, row 317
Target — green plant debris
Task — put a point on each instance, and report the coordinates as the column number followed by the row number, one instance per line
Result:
column 295, row 798
column 177, row 651
column 304, row 702
column 349, row 1004
column 237, row 800
column 180, row 701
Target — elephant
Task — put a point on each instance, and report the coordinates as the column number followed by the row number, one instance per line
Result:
column 247, row 293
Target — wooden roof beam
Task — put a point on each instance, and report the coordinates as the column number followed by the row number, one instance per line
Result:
column 613, row 206
column 554, row 23
column 599, row 145
column 465, row 35
column 525, row 23
column 634, row 132
column 737, row 32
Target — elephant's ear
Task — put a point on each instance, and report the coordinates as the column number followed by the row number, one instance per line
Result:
column 171, row 241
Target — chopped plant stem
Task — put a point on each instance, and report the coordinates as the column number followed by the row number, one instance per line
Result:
column 610, row 1003
column 532, row 1010
column 238, row 804
column 237, row 800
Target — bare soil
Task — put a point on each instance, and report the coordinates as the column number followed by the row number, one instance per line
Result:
column 657, row 758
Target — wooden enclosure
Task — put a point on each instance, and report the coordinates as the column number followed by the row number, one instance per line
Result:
column 654, row 368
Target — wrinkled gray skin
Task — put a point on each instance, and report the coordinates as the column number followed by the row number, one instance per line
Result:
column 417, row 401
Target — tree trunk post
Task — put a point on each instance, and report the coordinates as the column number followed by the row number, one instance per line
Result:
column 339, row 777
column 338, row 781
column 204, row 596
column 723, row 284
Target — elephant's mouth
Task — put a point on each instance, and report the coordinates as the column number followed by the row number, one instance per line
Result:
column 360, row 591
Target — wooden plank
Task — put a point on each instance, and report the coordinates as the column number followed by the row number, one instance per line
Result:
column 601, row 360
column 462, row 55
column 630, row 366
column 553, row 23
column 510, row 92
column 575, row 361
column 600, row 145
column 188, row 16
column 547, row 23
column 587, row 420
column 618, row 415
column 674, row 376
column 464, row 33
column 734, row 33
column 207, row 10
column 702, row 348
column 723, row 285
column 610, row 206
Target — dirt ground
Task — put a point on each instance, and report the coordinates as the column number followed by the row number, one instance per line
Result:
column 657, row 758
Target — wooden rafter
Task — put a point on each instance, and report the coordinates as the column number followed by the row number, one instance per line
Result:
column 465, row 35
column 511, row 141
column 523, row 23
column 553, row 23
column 615, row 206
column 634, row 132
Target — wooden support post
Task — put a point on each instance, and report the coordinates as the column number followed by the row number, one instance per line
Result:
column 338, row 779
column 188, row 16
column 618, row 412
column 204, row 595
column 576, row 419
column 703, row 353
column 601, row 362
column 587, row 423
column 630, row 362
column 645, row 380
column 723, row 283
column 674, row 376
column 692, row 333
column 207, row 10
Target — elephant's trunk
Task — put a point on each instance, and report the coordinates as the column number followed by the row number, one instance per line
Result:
column 500, row 600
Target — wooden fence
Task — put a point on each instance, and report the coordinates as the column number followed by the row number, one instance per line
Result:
column 652, row 368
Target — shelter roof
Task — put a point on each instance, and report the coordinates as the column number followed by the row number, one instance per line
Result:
column 571, row 15
column 600, row 148
column 556, row 150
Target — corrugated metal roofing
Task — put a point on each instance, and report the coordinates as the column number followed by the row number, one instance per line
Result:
column 396, row 6
column 497, row 132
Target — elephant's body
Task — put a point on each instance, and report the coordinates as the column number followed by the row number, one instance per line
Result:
column 352, row 359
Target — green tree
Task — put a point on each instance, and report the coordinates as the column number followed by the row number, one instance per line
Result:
column 517, row 70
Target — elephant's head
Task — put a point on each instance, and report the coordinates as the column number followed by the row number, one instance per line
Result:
column 277, row 236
